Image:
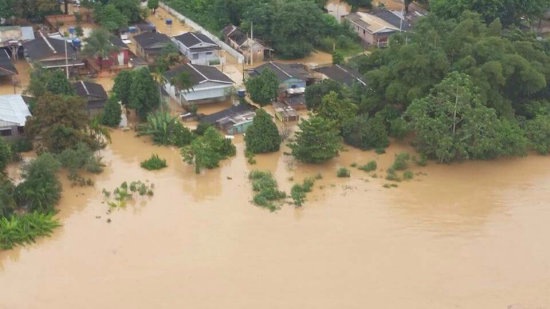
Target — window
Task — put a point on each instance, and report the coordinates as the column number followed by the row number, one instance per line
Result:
column 195, row 56
column 5, row 132
column 209, row 53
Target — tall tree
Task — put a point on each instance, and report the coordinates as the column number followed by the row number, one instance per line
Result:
column 262, row 135
column 122, row 86
column 336, row 108
column 144, row 96
column 263, row 88
column 99, row 44
column 317, row 141
column 111, row 112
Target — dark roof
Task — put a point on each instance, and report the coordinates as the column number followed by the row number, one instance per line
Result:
column 196, row 40
column 43, row 47
column 148, row 39
column 235, row 34
column 6, row 66
column 145, row 26
column 199, row 73
column 232, row 111
column 94, row 93
column 284, row 71
column 391, row 18
column 341, row 74
column 117, row 41
column 293, row 100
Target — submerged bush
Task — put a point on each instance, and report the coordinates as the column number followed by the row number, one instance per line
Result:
column 408, row 174
column 153, row 163
column 369, row 167
column 298, row 191
column 343, row 172
column 23, row 229
column 266, row 189
column 41, row 189
column 401, row 161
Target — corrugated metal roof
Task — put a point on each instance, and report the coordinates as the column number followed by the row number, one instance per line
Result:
column 13, row 109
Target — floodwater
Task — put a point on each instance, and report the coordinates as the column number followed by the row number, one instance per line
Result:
column 471, row 235
column 21, row 79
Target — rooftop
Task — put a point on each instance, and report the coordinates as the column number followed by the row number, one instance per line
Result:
column 148, row 39
column 13, row 109
column 199, row 73
column 372, row 23
column 235, row 114
column 341, row 74
column 196, row 40
column 284, row 71
column 6, row 66
column 46, row 47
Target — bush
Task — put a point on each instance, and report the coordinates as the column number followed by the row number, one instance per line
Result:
column 41, row 189
column 23, row 229
column 80, row 157
column 399, row 128
column 153, row 163
column 343, row 172
column 369, row 167
column 208, row 150
column 421, row 160
column 7, row 201
column 21, row 144
column 408, row 174
column 365, row 132
column 391, row 175
column 263, row 87
column 401, row 161
column 112, row 112
column 165, row 130
column 201, row 127
column 298, row 191
column 266, row 190
column 5, row 154
column 263, row 135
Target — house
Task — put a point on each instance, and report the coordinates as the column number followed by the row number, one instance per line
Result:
column 284, row 112
column 293, row 77
column 233, row 120
column 150, row 44
column 52, row 52
column 295, row 100
column 122, row 56
column 198, row 48
column 341, row 74
column 13, row 114
column 252, row 49
column 12, row 37
column 375, row 27
column 6, row 66
column 94, row 94
column 145, row 26
column 209, row 84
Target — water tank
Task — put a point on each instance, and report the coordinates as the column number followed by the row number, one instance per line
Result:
column 132, row 29
column 76, row 42
column 241, row 92
column 168, row 21
column 71, row 29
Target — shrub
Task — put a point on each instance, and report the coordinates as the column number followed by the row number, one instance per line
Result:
column 421, row 160
column 126, row 192
column 21, row 144
column 5, row 154
column 343, row 172
column 80, row 157
column 153, row 163
column 408, row 174
column 369, row 167
column 263, row 87
column 112, row 112
column 392, row 175
column 23, row 229
column 401, row 161
column 7, row 201
column 266, row 189
column 298, row 191
column 40, row 190
column 165, row 130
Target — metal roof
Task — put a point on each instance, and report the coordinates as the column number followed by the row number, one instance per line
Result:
column 14, row 109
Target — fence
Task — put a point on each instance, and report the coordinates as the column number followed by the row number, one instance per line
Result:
column 197, row 27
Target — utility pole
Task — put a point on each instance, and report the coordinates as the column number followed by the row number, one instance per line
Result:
column 252, row 43
column 66, row 59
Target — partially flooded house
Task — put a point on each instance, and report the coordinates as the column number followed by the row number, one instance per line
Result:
column 253, row 49
column 198, row 48
column 52, row 53
column 7, row 69
column 13, row 115
column 341, row 74
column 232, row 120
column 94, row 94
column 150, row 44
column 206, row 85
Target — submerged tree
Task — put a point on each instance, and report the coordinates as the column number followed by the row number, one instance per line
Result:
column 111, row 112
column 122, row 85
column 144, row 95
column 317, row 141
column 262, row 135
column 99, row 44
column 263, row 87
column 208, row 150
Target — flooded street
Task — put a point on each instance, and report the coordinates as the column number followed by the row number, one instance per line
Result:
column 470, row 235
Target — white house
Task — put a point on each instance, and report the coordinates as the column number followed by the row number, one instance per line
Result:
column 209, row 84
column 13, row 114
column 198, row 48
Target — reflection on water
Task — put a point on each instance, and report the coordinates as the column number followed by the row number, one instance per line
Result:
column 469, row 235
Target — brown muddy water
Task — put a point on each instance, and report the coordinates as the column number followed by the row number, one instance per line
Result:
column 472, row 235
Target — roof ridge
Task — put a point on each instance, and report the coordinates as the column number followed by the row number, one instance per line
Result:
column 47, row 42
column 196, row 70
column 85, row 88
column 273, row 63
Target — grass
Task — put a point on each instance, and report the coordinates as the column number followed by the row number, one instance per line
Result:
column 298, row 191
column 343, row 172
column 369, row 167
column 153, row 163
column 23, row 229
column 266, row 189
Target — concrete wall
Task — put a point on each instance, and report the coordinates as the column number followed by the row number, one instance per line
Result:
column 197, row 27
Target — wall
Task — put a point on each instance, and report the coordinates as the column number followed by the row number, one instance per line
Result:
column 197, row 27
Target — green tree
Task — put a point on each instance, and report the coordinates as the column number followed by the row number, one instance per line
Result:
column 144, row 96
column 99, row 44
column 208, row 150
column 58, row 84
column 5, row 155
column 262, row 135
column 109, row 17
column 336, row 108
column 111, row 112
column 7, row 201
column 365, row 132
column 40, row 189
column 182, row 81
column 122, row 85
column 317, row 141
column 130, row 9
column 538, row 133
column 263, row 87
column 315, row 93
column 165, row 129
column 337, row 57
column 153, row 5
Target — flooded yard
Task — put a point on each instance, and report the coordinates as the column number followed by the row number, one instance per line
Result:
column 469, row 235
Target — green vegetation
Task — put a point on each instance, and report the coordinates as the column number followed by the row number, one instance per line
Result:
column 343, row 172
column 292, row 28
column 126, row 192
column 337, row 108
column 401, row 161
column 144, row 93
column 263, row 87
column 81, row 157
column 315, row 93
column 122, row 85
column 317, row 141
column 165, row 130
column 365, row 132
column 153, row 163
column 23, row 229
column 113, row 14
column 407, row 175
column 266, row 189
column 208, row 150
column 5, row 154
column 298, row 191
column 99, row 44
column 369, row 167
column 262, row 135
column 112, row 112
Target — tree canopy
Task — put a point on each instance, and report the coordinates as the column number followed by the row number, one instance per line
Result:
column 262, row 135
column 263, row 87
column 144, row 93
column 318, row 140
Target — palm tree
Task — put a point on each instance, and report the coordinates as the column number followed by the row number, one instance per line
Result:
column 99, row 44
